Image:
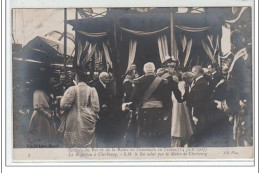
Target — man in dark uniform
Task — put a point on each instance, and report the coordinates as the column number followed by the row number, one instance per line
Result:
column 238, row 98
column 152, row 101
column 199, row 101
column 104, row 133
column 129, row 121
column 169, row 68
column 215, row 77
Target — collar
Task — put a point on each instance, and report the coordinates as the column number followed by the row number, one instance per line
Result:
column 198, row 78
column 149, row 74
column 81, row 83
column 214, row 72
column 103, row 84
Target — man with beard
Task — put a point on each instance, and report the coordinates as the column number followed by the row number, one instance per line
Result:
column 103, row 127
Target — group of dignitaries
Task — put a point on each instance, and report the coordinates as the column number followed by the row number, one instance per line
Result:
column 176, row 108
column 166, row 107
column 150, row 100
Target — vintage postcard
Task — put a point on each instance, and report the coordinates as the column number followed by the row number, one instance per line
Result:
column 132, row 84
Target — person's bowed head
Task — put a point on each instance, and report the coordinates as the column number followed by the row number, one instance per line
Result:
column 197, row 71
column 187, row 78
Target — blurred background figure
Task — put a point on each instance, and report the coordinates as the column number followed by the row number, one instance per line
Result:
column 94, row 79
column 133, row 69
column 214, row 75
column 42, row 128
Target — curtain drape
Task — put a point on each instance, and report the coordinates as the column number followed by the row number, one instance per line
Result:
column 132, row 51
column 91, row 50
column 101, row 34
column 82, row 50
column 192, row 29
column 143, row 33
column 238, row 16
column 107, row 57
column 183, row 42
column 207, row 50
column 225, row 40
column 188, row 50
column 163, row 47
column 79, row 51
column 86, row 50
column 211, row 48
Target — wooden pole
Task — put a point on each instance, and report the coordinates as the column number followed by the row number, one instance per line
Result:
column 115, row 57
column 76, row 15
column 172, row 33
column 174, row 51
column 65, row 40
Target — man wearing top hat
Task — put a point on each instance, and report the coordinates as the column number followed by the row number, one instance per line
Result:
column 152, row 102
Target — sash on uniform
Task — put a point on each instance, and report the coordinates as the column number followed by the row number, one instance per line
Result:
column 150, row 90
column 165, row 75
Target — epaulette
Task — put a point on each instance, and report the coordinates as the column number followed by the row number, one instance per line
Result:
column 175, row 78
column 137, row 79
column 126, row 80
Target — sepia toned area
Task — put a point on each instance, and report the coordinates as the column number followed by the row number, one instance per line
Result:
column 137, row 154
column 132, row 78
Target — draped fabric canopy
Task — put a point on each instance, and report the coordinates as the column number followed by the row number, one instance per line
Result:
column 187, row 53
column 87, row 50
column 101, row 34
column 191, row 29
column 143, row 33
column 155, row 24
column 212, row 47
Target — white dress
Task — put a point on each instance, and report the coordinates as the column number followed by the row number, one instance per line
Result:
column 181, row 120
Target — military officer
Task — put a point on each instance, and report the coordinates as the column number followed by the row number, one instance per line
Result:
column 152, row 101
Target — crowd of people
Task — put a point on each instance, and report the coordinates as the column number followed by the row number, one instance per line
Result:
column 183, row 106
column 165, row 107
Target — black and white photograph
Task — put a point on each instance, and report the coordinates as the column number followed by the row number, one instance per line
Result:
column 177, row 78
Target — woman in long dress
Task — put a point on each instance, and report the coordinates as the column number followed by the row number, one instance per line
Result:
column 82, row 106
column 42, row 127
column 181, row 129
